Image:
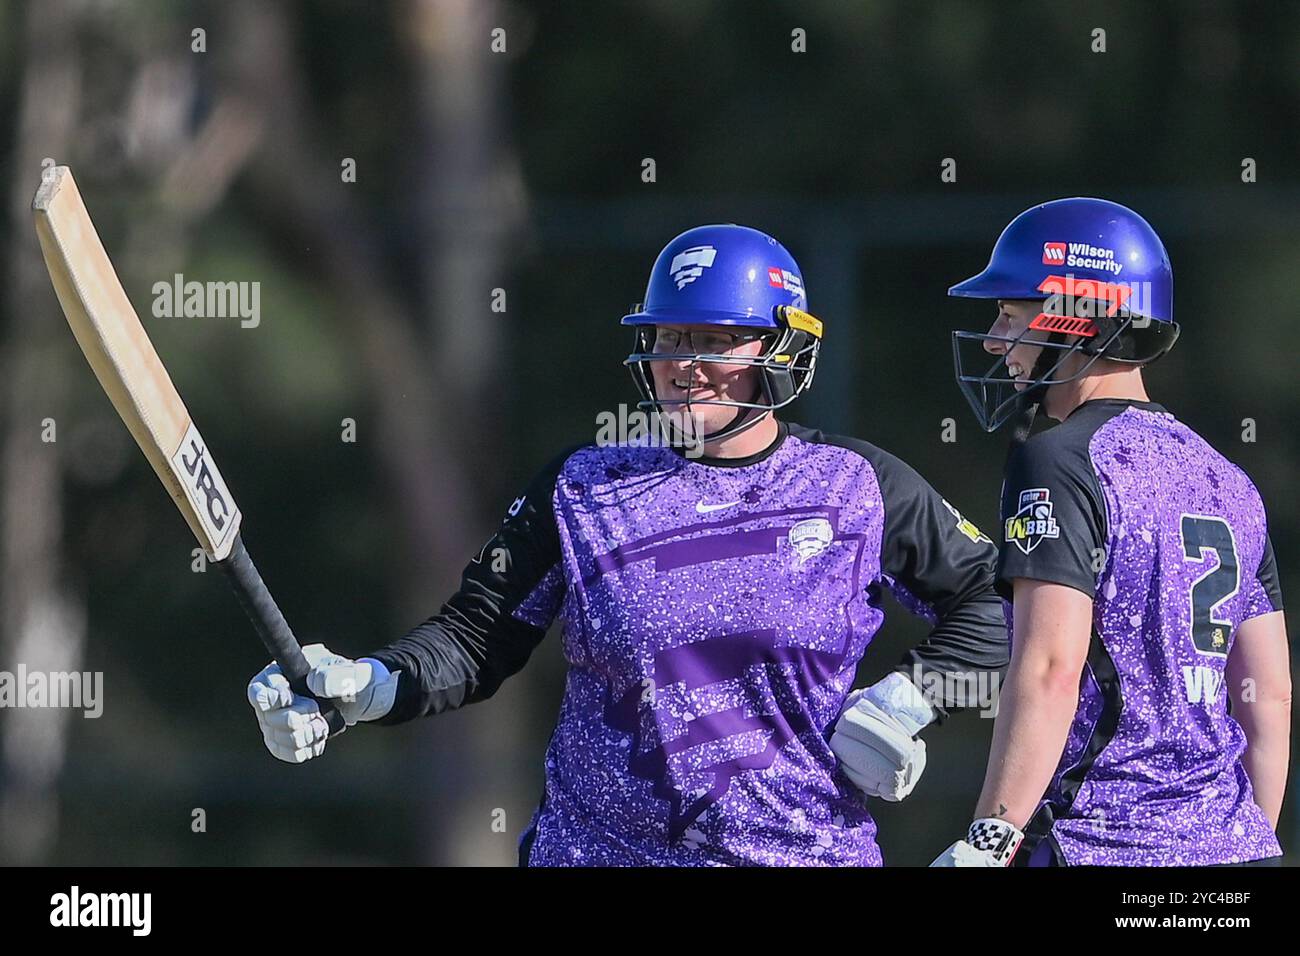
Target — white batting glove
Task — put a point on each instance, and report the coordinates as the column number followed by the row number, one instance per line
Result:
column 292, row 727
column 989, row 842
column 875, row 737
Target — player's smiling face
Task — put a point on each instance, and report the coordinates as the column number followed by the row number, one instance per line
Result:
column 1012, row 322
column 682, row 380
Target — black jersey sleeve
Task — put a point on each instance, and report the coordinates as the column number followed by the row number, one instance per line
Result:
column 1268, row 581
column 1053, row 514
column 940, row 565
column 462, row 654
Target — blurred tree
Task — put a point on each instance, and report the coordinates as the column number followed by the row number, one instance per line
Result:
column 43, row 621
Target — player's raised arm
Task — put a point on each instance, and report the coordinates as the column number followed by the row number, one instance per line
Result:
column 509, row 593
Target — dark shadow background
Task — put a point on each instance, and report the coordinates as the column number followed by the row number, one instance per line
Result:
column 522, row 171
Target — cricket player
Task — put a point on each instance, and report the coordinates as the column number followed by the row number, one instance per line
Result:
column 716, row 594
column 1145, row 717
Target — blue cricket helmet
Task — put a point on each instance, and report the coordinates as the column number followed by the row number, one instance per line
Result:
column 1107, row 289
column 729, row 277
column 720, row 275
column 1086, row 238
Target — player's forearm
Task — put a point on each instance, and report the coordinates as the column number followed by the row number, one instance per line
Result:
column 439, row 672
column 1035, row 710
column 1267, row 725
column 961, row 655
column 451, row 660
column 1258, row 676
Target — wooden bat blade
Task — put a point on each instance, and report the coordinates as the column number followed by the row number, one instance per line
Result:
column 114, row 342
column 123, row 359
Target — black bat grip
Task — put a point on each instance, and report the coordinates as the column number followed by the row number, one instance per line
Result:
column 272, row 628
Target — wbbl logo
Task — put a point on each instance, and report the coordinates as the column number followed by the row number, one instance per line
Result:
column 1032, row 521
column 689, row 264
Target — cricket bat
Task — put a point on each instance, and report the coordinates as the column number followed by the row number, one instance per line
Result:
column 135, row 380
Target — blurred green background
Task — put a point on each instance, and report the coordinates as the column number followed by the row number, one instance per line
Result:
column 522, row 170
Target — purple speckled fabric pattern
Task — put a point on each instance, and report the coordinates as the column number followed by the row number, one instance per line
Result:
column 713, row 618
column 1169, row 787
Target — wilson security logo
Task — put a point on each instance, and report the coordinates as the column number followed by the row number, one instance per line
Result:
column 785, row 279
column 1080, row 255
column 689, row 264
column 1053, row 253
column 1033, row 521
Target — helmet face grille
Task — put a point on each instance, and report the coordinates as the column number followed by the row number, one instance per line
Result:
column 994, row 395
column 786, row 368
column 1065, row 324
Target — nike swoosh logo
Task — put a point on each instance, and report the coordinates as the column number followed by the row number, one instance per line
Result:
column 703, row 509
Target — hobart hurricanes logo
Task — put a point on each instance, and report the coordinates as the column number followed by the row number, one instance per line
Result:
column 1032, row 521
column 689, row 264
column 810, row 538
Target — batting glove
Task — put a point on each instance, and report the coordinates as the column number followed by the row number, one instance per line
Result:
column 989, row 842
column 875, row 737
column 293, row 728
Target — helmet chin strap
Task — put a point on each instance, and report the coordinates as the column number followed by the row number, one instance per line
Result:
column 739, row 423
column 736, row 425
column 1032, row 398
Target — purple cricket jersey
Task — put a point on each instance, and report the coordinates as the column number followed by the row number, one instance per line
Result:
column 1127, row 504
column 713, row 614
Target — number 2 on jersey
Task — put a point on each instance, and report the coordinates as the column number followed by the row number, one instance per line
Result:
column 1202, row 533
